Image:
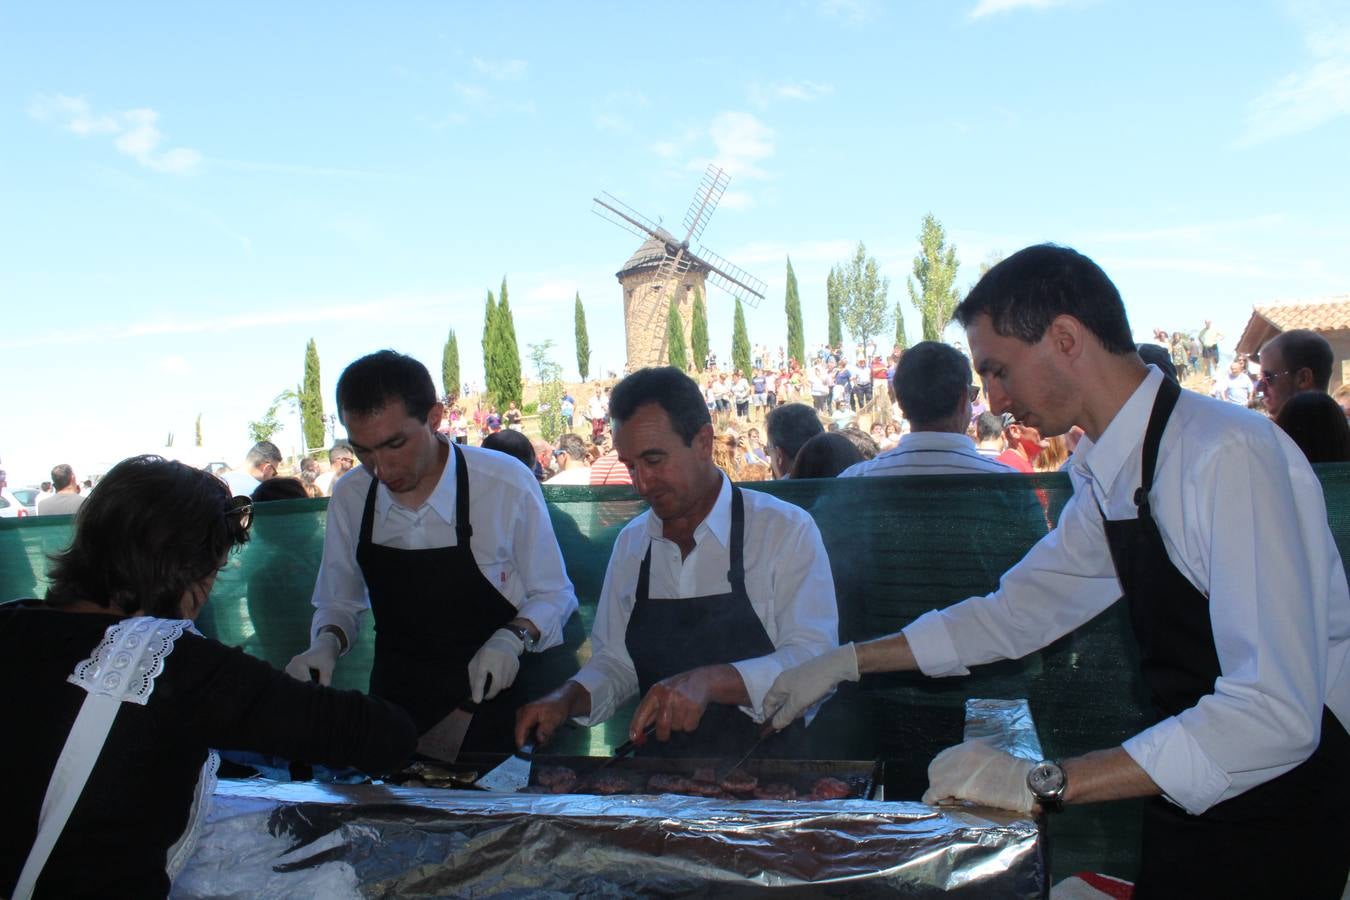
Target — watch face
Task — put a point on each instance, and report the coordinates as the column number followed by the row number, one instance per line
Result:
column 1046, row 780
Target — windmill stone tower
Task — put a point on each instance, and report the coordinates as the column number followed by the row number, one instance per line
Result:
column 664, row 266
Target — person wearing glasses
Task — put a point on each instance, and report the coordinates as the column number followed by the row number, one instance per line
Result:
column 1213, row 527
column 260, row 464
column 932, row 383
column 451, row 548
column 117, row 702
column 1293, row 362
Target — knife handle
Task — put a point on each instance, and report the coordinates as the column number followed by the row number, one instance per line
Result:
column 627, row 747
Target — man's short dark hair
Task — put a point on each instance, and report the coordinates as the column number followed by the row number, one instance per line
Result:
column 1024, row 293
column 573, row 445
column 62, row 476
column 341, row 447
column 152, row 530
column 513, row 443
column 1304, row 349
column 825, row 456
column 367, row 385
column 791, row 425
column 988, row 426
column 279, row 489
column 929, row 381
column 263, row 452
column 1155, row 355
column 669, row 388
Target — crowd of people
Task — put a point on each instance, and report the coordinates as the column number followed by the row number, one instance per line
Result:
column 718, row 609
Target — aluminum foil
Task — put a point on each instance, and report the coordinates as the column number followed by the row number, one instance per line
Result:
column 271, row 839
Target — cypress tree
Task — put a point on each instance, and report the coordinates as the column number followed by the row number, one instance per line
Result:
column 796, row 340
column 450, row 366
column 510, row 350
column 583, row 342
column 489, row 348
column 698, row 331
column 740, row 342
column 199, row 429
column 675, row 352
column 834, row 287
column 311, row 399
column 900, row 339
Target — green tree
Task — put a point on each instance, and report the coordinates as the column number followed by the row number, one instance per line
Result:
column 900, row 340
column 549, row 374
column 268, row 425
column 833, row 289
column 698, row 331
column 199, row 429
column 489, row 359
column 676, row 354
column 862, row 297
column 450, row 366
column 796, row 339
column 509, row 355
column 935, row 271
column 740, row 341
column 311, row 399
column 583, row 341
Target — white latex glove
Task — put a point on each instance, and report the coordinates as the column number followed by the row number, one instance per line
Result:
column 977, row 772
column 795, row 690
column 322, row 656
column 499, row 657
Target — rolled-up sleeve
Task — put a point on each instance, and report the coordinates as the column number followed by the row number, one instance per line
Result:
column 802, row 617
column 340, row 596
column 609, row 675
column 550, row 598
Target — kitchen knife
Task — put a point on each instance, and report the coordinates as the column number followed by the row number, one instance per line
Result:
column 763, row 733
column 443, row 740
column 627, row 748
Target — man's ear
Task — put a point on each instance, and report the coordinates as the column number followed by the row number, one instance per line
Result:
column 1303, row 378
column 435, row 414
column 703, row 440
column 1066, row 335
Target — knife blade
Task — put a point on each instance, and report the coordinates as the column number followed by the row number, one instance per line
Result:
column 443, row 740
column 763, row 733
column 627, row 748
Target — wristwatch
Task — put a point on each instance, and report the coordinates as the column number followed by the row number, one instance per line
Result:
column 527, row 640
column 1047, row 783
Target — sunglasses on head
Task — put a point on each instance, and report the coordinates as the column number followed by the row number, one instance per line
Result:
column 240, row 509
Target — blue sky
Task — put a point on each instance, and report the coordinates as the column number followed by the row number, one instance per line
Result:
column 189, row 193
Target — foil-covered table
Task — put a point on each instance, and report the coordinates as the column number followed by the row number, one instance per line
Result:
column 301, row 839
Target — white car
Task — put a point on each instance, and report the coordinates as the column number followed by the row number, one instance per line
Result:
column 18, row 503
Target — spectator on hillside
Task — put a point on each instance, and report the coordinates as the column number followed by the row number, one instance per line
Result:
column 309, row 476
column 1317, row 424
column 841, row 417
column 740, row 393
column 573, row 467
column 989, row 435
column 1293, row 362
column 67, row 499
column 1210, row 338
column 260, row 464
column 340, row 461
column 825, row 456
column 1235, row 387
column 1024, row 445
column 788, row 428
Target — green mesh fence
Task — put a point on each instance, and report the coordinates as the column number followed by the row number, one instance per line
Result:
column 898, row 547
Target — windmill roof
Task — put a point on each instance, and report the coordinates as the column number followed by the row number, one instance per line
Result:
column 648, row 255
column 1329, row 314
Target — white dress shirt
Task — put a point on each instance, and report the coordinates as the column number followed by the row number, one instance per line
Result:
column 1243, row 518
column 787, row 577
column 929, row 453
column 513, row 542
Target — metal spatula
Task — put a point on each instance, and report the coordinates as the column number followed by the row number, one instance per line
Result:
column 511, row 775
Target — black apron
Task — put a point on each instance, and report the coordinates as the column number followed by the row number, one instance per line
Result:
column 667, row 636
column 433, row 609
column 1285, row 838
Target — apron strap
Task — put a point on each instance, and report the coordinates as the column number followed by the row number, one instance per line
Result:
column 81, row 751
column 736, row 574
column 463, row 528
column 1168, row 392
column 368, row 514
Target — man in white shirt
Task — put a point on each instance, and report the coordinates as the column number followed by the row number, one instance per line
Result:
column 932, row 384
column 708, row 596
column 1214, row 527
column 450, row 546
column 571, row 453
column 260, row 464
column 340, row 462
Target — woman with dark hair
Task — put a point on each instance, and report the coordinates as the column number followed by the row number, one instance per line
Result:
column 119, row 700
column 825, row 456
column 1316, row 422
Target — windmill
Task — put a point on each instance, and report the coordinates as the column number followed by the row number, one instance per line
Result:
column 665, row 266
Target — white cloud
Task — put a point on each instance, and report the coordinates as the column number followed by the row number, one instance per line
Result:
column 995, row 7
column 1314, row 94
column 852, row 12
column 469, row 92
column 614, row 112
column 740, row 143
column 174, row 365
column 502, row 69
column 136, row 131
column 803, row 91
